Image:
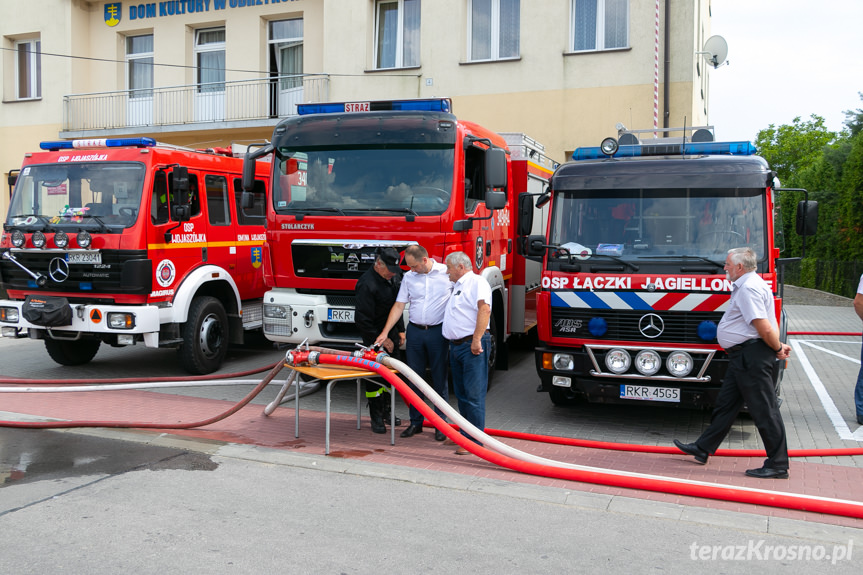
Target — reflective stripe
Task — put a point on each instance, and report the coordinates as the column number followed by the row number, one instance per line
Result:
column 380, row 391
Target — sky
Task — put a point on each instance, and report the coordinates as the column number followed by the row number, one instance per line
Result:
column 787, row 58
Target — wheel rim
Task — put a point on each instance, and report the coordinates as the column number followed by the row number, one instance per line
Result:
column 210, row 336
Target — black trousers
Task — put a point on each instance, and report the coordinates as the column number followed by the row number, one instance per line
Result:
column 749, row 379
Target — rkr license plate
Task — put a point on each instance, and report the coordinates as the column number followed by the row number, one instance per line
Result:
column 340, row 315
column 84, row 257
column 647, row 393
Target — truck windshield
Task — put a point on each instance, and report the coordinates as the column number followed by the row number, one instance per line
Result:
column 374, row 181
column 662, row 223
column 99, row 196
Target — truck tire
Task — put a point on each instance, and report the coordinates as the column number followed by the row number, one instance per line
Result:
column 205, row 336
column 66, row 352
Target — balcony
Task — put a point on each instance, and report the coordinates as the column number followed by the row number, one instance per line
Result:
column 218, row 105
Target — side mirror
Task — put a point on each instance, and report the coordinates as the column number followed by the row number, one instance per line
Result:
column 807, row 218
column 495, row 200
column 536, row 245
column 249, row 165
column 525, row 215
column 495, row 168
column 462, row 225
column 181, row 185
column 247, row 201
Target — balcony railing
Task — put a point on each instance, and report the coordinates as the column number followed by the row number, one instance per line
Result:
column 197, row 104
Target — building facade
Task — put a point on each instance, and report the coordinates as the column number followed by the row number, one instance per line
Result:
column 206, row 73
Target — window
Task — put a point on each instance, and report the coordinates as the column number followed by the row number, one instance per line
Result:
column 494, row 29
column 218, row 203
column 286, row 66
column 397, row 25
column 139, row 63
column 28, row 69
column 210, row 57
column 600, row 24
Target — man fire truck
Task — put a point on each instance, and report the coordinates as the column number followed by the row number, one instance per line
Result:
column 351, row 177
column 633, row 286
column 124, row 241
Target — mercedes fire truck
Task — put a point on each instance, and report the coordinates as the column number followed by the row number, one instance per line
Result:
column 633, row 285
column 126, row 241
column 350, row 177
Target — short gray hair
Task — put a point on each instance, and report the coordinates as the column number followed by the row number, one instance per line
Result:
column 456, row 259
column 745, row 256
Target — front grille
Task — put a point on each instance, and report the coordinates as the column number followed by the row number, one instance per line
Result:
column 623, row 325
column 121, row 272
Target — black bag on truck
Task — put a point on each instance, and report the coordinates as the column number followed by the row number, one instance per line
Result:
column 47, row 311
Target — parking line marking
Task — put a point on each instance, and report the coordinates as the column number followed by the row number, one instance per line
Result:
column 826, row 401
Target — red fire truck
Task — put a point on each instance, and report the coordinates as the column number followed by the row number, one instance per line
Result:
column 126, row 241
column 349, row 177
column 633, row 285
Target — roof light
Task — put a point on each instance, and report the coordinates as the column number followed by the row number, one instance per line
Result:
column 98, row 143
column 689, row 149
column 432, row 105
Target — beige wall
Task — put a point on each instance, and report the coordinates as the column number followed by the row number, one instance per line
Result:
column 561, row 99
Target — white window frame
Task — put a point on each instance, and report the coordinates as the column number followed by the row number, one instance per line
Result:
column 599, row 45
column 495, row 34
column 32, row 87
column 400, row 40
column 138, row 92
column 204, row 48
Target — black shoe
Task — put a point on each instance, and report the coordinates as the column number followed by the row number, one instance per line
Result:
column 767, row 473
column 411, row 430
column 691, row 449
column 378, row 425
column 439, row 435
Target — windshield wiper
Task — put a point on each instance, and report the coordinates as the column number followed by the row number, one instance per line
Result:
column 683, row 257
column 309, row 210
column 103, row 227
column 631, row 265
column 396, row 210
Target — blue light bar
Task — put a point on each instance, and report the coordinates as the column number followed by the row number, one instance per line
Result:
column 433, row 105
column 689, row 149
column 98, row 143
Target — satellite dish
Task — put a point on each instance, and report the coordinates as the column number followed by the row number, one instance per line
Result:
column 715, row 50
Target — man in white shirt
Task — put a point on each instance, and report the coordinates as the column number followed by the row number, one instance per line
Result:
column 465, row 325
column 426, row 287
column 750, row 337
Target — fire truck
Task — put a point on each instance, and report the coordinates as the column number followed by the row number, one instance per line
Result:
column 633, row 286
column 126, row 241
column 351, row 177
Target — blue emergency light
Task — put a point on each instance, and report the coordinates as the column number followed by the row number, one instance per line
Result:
column 431, row 105
column 98, row 143
column 689, row 148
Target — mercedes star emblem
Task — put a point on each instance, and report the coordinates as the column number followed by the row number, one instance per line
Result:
column 651, row 325
column 58, row 269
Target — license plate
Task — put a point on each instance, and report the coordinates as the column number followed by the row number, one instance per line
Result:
column 84, row 257
column 340, row 315
column 647, row 393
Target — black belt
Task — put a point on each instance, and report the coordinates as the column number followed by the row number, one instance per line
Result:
column 740, row 346
column 466, row 339
column 416, row 325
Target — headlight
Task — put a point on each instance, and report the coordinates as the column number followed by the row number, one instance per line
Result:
column 679, row 364
column 84, row 239
column 563, row 361
column 647, row 362
column 61, row 240
column 38, row 239
column 9, row 314
column 276, row 311
column 617, row 360
column 121, row 320
column 18, row 239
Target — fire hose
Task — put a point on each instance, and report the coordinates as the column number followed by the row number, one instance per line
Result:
column 505, row 456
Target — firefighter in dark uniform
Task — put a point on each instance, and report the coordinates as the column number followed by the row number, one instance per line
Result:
column 376, row 292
